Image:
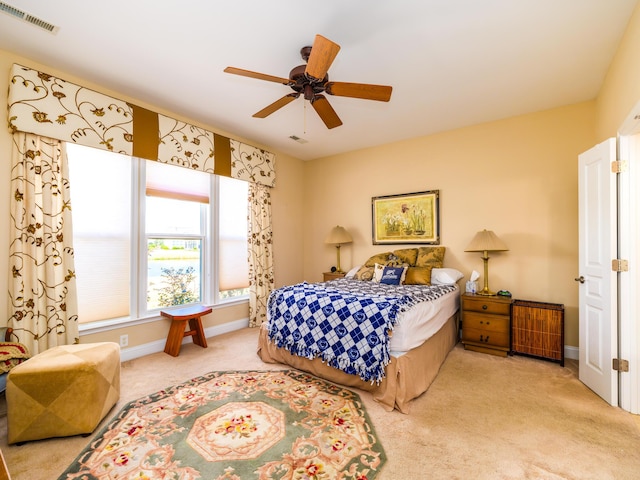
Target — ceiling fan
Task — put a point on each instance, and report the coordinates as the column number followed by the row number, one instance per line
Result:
column 311, row 80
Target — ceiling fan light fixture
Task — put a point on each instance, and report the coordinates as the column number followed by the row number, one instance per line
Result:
column 312, row 79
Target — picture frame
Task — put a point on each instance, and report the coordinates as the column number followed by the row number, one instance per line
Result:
column 406, row 218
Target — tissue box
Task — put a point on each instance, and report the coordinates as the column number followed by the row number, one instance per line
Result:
column 471, row 287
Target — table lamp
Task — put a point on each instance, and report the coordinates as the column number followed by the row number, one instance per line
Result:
column 338, row 236
column 486, row 241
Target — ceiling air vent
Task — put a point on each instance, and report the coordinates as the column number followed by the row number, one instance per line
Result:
column 298, row 139
column 25, row 17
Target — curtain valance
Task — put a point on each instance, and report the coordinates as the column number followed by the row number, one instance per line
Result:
column 45, row 105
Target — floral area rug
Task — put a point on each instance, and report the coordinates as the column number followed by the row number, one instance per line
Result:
column 237, row 426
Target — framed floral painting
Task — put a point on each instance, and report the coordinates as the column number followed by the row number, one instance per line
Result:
column 406, row 218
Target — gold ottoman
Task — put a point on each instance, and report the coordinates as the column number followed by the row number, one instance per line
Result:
column 63, row 391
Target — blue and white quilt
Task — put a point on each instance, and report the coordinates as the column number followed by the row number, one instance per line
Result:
column 347, row 323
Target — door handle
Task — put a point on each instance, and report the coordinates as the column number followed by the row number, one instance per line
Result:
column 579, row 279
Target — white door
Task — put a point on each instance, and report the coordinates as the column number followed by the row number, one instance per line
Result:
column 629, row 249
column 598, row 321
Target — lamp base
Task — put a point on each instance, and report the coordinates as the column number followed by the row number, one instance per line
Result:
column 486, row 292
column 338, row 269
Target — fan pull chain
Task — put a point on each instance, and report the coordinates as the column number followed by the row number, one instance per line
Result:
column 304, row 118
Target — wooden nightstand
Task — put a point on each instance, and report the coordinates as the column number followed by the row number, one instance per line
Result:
column 332, row 275
column 486, row 324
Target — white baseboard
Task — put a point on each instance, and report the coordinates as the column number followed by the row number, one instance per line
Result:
column 571, row 352
column 158, row 346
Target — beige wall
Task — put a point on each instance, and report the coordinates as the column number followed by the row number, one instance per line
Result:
column 620, row 91
column 286, row 207
column 517, row 177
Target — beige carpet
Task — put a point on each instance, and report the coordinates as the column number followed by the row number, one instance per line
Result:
column 484, row 417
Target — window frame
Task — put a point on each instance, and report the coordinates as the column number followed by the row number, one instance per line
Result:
column 208, row 269
column 139, row 313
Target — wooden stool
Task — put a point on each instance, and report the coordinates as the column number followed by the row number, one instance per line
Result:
column 178, row 323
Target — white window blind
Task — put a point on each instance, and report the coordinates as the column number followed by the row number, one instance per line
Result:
column 233, row 268
column 101, row 231
column 179, row 184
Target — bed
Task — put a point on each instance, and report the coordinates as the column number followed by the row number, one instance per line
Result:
column 421, row 323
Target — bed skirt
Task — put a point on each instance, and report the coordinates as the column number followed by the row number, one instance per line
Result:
column 407, row 376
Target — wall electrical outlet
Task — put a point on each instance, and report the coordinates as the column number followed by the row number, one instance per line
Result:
column 124, row 340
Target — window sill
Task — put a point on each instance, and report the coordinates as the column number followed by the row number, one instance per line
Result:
column 117, row 323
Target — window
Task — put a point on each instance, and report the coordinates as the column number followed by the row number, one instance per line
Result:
column 233, row 230
column 176, row 212
column 101, row 202
column 174, row 252
column 149, row 235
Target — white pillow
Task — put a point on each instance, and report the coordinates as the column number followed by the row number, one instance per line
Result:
column 445, row 276
column 351, row 273
column 377, row 272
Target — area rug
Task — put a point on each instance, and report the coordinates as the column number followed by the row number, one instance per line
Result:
column 236, row 426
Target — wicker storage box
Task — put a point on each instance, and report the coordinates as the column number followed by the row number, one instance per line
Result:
column 537, row 329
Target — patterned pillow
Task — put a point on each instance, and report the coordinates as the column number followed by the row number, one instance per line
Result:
column 430, row 256
column 394, row 261
column 393, row 275
column 380, row 258
column 407, row 255
column 418, row 276
column 364, row 273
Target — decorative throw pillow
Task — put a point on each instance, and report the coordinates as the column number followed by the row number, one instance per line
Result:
column 407, row 255
column 394, row 261
column 430, row 256
column 418, row 276
column 381, row 258
column 377, row 272
column 392, row 275
column 364, row 273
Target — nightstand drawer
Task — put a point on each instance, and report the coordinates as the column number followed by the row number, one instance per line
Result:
column 488, row 323
column 485, row 337
column 491, row 305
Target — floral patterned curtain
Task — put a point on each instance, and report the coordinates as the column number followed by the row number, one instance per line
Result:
column 42, row 289
column 42, row 104
column 260, row 253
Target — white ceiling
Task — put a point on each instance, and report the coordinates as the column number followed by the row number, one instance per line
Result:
column 451, row 63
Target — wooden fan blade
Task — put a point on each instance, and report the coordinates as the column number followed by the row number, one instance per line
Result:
column 323, row 53
column 278, row 104
column 381, row 93
column 259, row 76
column 326, row 112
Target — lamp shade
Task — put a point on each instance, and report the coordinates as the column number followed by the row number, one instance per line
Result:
column 338, row 236
column 486, row 241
